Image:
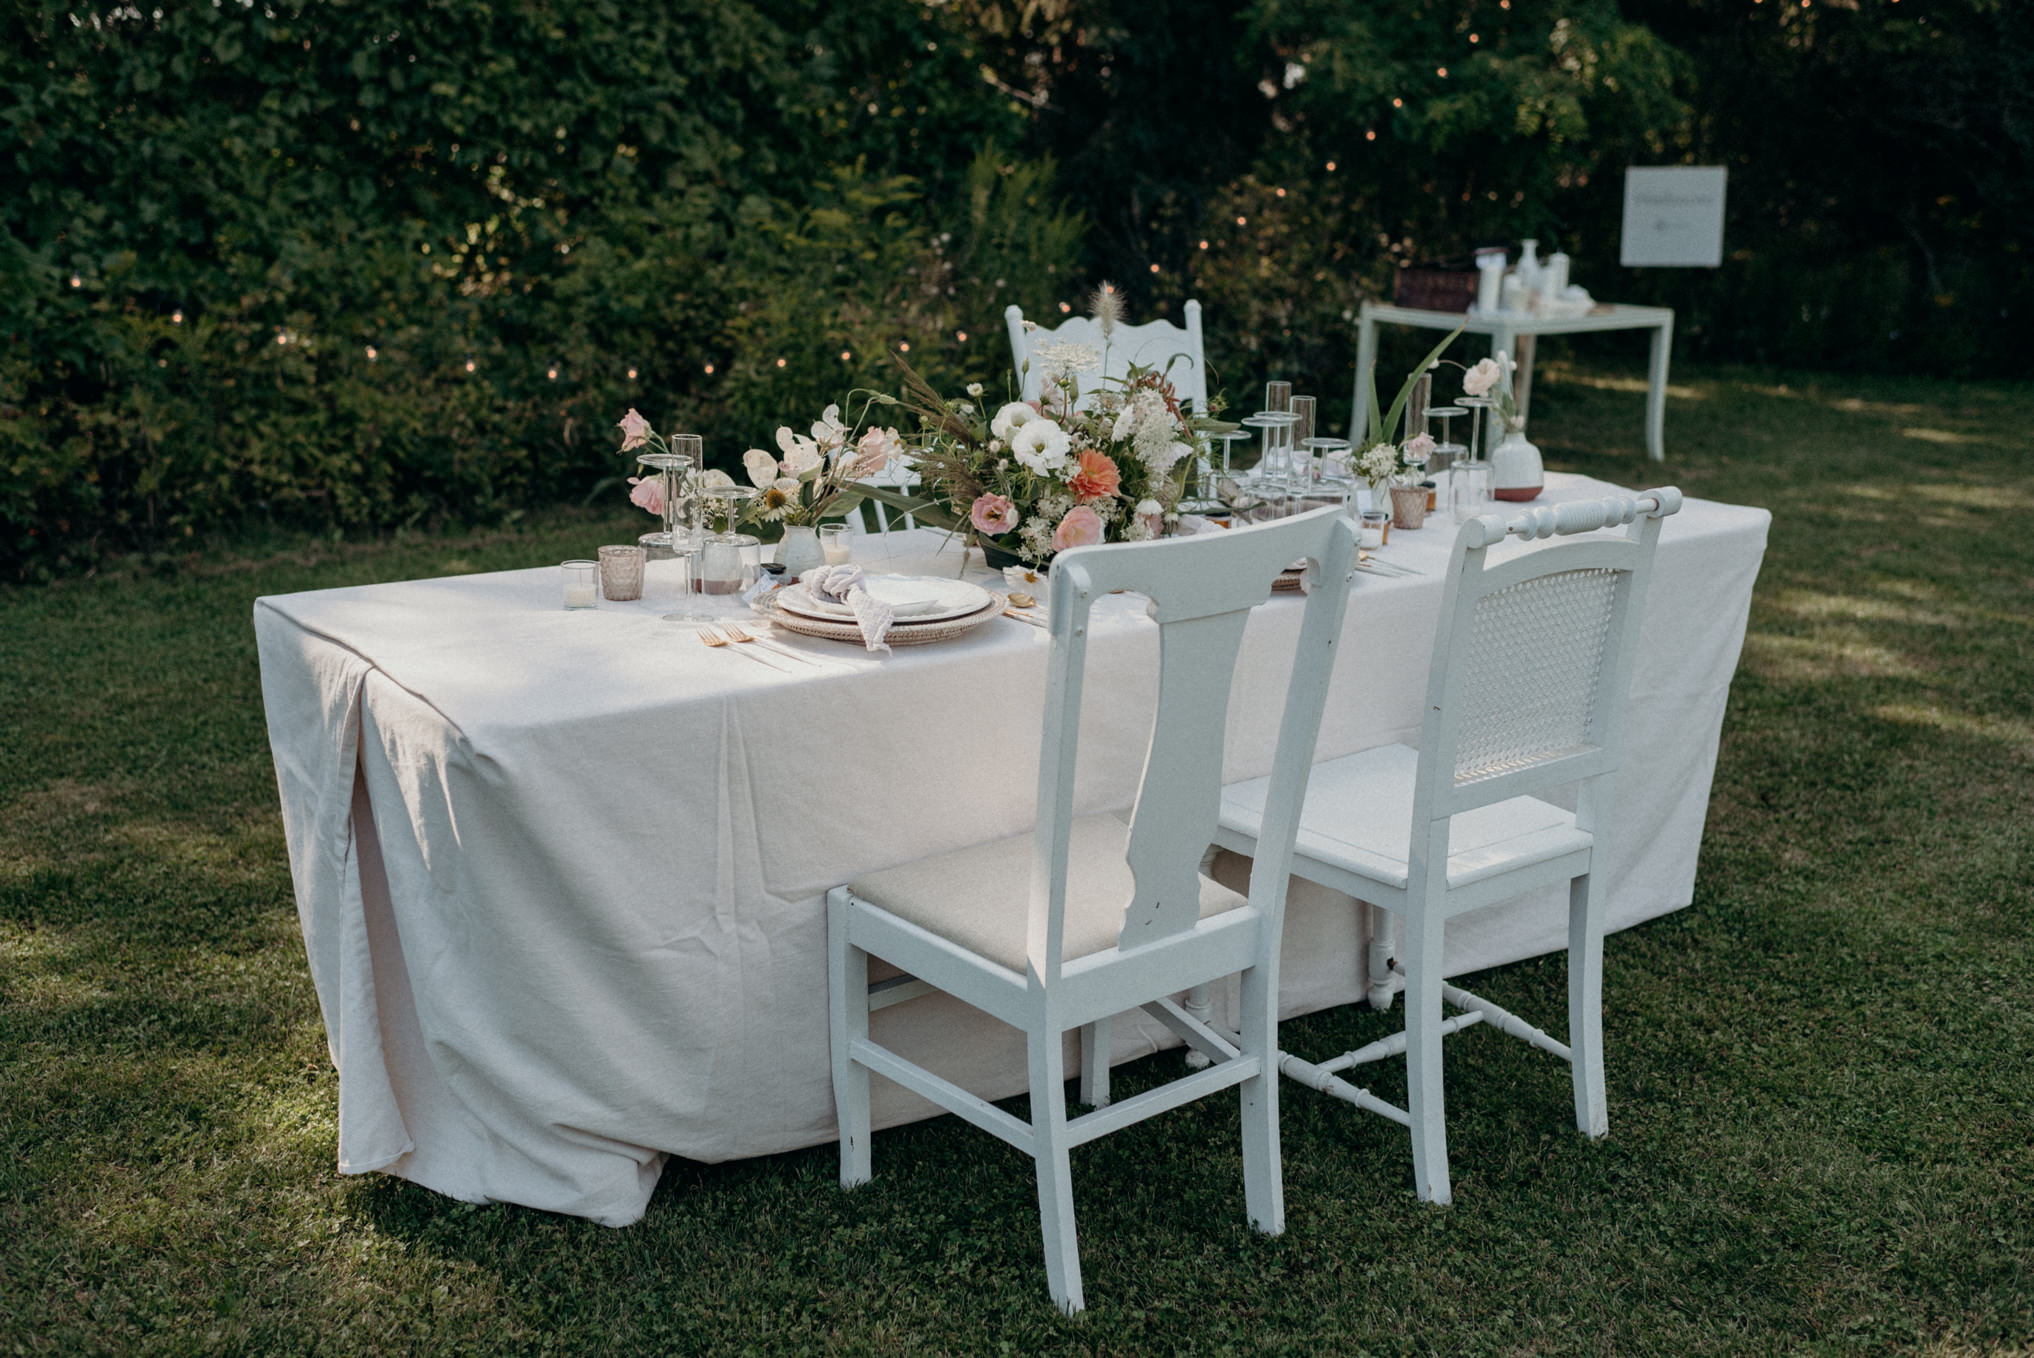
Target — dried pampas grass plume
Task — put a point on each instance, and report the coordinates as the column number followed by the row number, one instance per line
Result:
column 1106, row 306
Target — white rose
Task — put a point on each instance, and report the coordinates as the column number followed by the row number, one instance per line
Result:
column 1011, row 418
column 1042, row 446
column 762, row 468
column 1480, row 378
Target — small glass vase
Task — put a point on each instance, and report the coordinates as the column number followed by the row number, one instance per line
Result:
column 798, row 551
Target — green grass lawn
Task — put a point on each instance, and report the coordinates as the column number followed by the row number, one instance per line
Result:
column 1821, row 1075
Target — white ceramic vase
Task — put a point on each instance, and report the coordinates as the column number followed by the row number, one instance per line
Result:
column 799, row 550
column 1516, row 472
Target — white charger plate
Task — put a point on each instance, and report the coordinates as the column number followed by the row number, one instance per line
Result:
column 911, row 598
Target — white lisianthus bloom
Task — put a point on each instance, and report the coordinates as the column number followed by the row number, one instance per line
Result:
column 762, row 468
column 1011, row 418
column 1042, row 446
column 975, row 390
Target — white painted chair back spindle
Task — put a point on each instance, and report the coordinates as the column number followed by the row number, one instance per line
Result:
column 1175, row 351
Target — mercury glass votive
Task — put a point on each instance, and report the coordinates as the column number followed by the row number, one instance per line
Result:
column 621, row 573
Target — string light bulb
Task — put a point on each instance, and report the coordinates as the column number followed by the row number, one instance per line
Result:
column 1154, row 268
column 961, row 335
column 632, row 374
column 1204, row 245
column 470, row 365
column 551, row 373
column 709, row 370
column 780, row 362
column 1371, row 135
column 372, row 353
column 1065, row 307
column 1242, row 221
column 1398, row 103
column 1331, row 167
column 176, row 318
column 1441, row 71
column 905, row 347
column 77, row 282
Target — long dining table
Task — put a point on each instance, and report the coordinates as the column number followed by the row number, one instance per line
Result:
column 561, row 873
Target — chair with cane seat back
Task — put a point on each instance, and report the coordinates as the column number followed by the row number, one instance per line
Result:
column 1084, row 916
column 1525, row 694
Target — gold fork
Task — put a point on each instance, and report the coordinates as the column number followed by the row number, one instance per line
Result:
column 736, row 634
column 716, row 641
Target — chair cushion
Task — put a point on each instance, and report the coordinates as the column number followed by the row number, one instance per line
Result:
column 1358, row 817
column 980, row 897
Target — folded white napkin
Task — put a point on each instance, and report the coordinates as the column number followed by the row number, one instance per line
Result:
column 843, row 585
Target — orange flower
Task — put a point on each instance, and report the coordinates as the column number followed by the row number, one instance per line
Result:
column 1097, row 478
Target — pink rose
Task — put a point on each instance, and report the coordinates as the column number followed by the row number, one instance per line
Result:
column 992, row 514
column 635, row 430
column 1082, row 527
column 1480, row 378
column 648, row 492
column 1419, row 446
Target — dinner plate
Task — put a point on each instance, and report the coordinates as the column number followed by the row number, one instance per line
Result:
column 911, row 598
column 915, row 632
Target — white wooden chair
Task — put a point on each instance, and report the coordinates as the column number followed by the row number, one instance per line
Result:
column 1526, row 693
column 1175, row 352
column 898, row 474
column 1085, row 917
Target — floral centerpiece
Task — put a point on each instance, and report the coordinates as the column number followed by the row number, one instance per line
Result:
column 1516, row 471
column 1382, row 462
column 1075, row 467
column 815, row 478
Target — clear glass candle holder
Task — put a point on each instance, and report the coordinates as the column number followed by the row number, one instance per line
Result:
column 1371, row 531
column 582, row 583
column 836, row 544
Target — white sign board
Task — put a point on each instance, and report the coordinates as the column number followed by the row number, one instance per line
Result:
column 1673, row 217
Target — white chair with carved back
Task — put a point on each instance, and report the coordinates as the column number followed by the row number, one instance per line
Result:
column 1525, row 694
column 1085, row 916
column 898, row 474
column 1175, row 351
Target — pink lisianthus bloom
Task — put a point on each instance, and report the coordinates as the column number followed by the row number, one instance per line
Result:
column 1419, row 446
column 875, row 449
column 635, row 431
column 1481, row 378
column 1096, row 478
column 648, row 492
column 992, row 514
column 1082, row 527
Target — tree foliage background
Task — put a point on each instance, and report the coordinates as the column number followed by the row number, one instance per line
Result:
column 361, row 264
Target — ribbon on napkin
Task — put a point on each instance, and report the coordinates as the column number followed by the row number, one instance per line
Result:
column 843, row 585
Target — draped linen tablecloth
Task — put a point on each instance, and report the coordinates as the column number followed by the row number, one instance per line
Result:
column 561, row 874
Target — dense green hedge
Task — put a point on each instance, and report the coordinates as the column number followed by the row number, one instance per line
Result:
column 361, row 263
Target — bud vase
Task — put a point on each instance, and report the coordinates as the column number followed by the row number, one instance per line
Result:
column 799, row 550
column 1516, row 472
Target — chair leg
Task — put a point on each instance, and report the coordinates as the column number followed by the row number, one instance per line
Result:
column 847, row 999
column 1425, row 1099
column 1097, row 1044
column 1585, row 1004
column 1263, row 1177
column 1055, row 1170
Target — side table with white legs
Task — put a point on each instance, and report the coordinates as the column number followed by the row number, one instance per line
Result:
column 1507, row 329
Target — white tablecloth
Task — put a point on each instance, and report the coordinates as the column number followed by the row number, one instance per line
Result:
column 560, row 874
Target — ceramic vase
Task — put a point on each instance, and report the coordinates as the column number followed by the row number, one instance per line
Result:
column 1516, row 472
column 799, row 550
